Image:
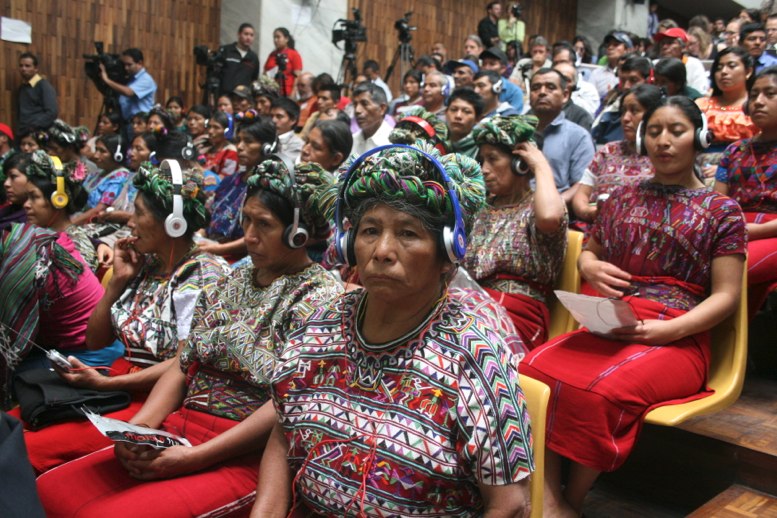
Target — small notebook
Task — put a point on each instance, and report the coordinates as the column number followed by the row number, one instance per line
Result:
column 598, row 314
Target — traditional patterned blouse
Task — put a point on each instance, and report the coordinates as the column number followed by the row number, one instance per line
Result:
column 238, row 332
column 223, row 161
column 105, row 187
column 155, row 311
column 749, row 168
column 727, row 123
column 615, row 164
column 225, row 210
column 80, row 238
column 668, row 235
column 507, row 253
column 405, row 428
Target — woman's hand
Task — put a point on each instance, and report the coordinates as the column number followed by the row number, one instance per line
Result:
column 708, row 171
column 530, row 154
column 147, row 463
column 126, row 260
column 81, row 375
column 648, row 332
column 210, row 248
column 588, row 212
column 605, row 277
column 104, row 255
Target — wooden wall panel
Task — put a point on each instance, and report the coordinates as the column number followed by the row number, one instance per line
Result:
column 449, row 21
column 164, row 30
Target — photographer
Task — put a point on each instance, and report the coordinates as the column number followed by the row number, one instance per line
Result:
column 240, row 63
column 512, row 28
column 284, row 63
column 137, row 95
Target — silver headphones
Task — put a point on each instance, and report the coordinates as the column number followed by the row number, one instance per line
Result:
column 175, row 223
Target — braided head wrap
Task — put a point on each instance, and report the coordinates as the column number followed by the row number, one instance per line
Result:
column 409, row 129
column 158, row 188
column 505, row 132
column 315, row 191
column 402, row 174
column 42, row 173
column 67, row 136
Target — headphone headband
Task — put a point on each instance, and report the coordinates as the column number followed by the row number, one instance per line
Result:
column 454, row 239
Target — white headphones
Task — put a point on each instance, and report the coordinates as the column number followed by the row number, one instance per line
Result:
column 175, row 223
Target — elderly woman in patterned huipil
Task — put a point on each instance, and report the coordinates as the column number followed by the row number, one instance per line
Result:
column 216, row 392
column 402, row 398
column 519, row 238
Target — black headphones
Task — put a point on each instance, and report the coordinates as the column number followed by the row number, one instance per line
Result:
column 518, row 166
column 188, row 152
column 702, row 137
column 453, row 239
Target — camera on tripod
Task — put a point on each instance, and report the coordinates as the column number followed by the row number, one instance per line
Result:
column 349, row 31
column 281, row 60
column 213, row 60
column 113, row 66
column 403, row 26
column 515, row 9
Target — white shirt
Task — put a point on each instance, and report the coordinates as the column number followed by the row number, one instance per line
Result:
column 291, row 146
column 385, row 88
column 604, row 79
column 586, row 96
column 380, row 138
column 695, row 74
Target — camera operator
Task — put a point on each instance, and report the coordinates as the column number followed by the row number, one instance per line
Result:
column 512, row 28
column 137, row 95
column 240, row 63
column 284, row 63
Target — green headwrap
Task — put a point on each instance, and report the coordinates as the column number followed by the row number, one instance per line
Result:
column 505, row 131
column 158, row 185
column 316, row 189
column 404, row 174
column 41, row 166
column 408, row 132
column 63, row 133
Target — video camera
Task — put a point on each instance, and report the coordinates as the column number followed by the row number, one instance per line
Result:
column 113, row 66
column 349, row 31
column 213, row 60
column 403, row 26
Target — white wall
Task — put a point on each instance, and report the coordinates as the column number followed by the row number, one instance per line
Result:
column 595, row 18
column 309, row 21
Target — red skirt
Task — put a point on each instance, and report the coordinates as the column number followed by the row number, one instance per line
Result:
column 602, row 388
column 530, row 316
column 63, row 442
column 761, row 265
column 98, row 486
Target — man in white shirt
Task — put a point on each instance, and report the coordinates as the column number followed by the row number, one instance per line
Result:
column 671, row 44
column 584, row 94
column 372, row 71
column 285, row 114
column 370, row 105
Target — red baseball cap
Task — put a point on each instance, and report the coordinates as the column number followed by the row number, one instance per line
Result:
column 4, row 128
column 675, row 33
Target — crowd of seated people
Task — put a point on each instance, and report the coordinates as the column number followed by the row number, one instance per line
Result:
column 297, row 273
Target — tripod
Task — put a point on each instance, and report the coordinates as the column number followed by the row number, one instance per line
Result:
column 405, row 55
column 348, row 71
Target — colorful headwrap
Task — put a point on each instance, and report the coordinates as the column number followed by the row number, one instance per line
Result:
column 401, row 173
column 410, row 127
column 265, row 85
column 67, row 135
column 505, row 131
column 41, row 166
column 159, row 186
column 316, row 189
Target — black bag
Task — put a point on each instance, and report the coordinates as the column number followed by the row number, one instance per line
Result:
column 46, row 399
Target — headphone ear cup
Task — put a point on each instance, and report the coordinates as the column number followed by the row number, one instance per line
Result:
column 344, row 248
column 295, row 238
column 497, row 87
column 640, row 142
column 118, row 156
column 703, row 136
column 269, row 148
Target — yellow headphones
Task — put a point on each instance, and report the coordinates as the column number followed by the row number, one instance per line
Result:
column 59, row 198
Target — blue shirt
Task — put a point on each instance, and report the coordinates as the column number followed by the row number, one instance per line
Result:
column 766, row 60
column 144, row 87
column 512, row 95
column 569, row 149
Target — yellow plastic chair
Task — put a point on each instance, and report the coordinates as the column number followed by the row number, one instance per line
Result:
column 537, row 396
column 107, row 277
column 560, row 320
column 728, row 363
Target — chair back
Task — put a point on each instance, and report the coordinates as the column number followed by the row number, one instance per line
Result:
column 561, row 321
column 537, row 396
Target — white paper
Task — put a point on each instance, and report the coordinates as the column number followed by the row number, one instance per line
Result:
column 14, row 30
column 598, row 314
column 120, row 431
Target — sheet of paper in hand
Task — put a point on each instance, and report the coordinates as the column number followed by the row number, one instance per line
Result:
column 119, row 431
column 598, row 314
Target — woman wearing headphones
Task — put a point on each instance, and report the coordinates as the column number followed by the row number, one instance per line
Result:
column 106, row 184
column 217, row 392
column 519, row 238
column 221, row 156
column 256, row 142
column 46, row 210
column 387, row 396
column 158, row 274
column 673, row 251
